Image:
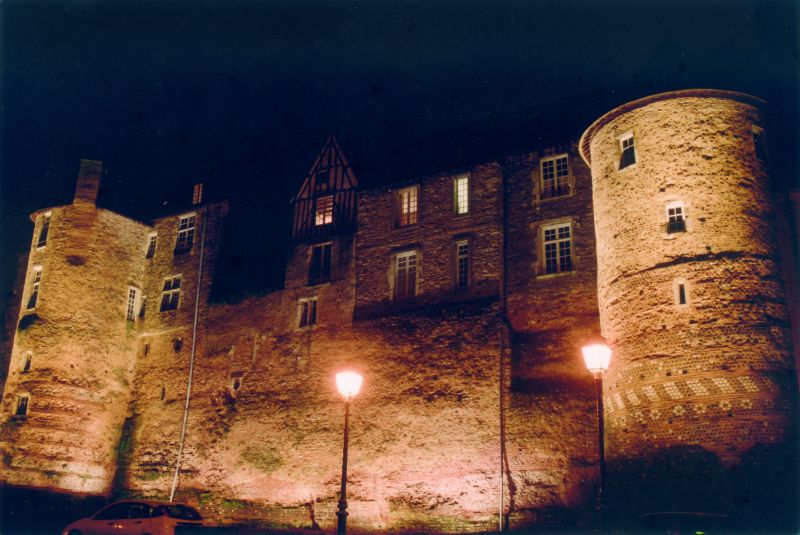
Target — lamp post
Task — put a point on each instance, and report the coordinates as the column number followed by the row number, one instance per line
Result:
column 348, row 384
column 597, row 356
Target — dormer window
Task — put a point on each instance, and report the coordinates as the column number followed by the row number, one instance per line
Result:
column 627, row 150
column 323, row 212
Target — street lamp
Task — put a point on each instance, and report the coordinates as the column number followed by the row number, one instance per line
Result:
column 597, row 356
column 348, row 383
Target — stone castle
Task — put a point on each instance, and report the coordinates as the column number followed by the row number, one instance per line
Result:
column 463, row 298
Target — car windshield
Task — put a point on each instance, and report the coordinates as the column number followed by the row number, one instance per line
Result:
column 182, row 512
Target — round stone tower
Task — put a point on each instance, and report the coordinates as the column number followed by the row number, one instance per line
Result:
column 70, row 372
column 689, row 286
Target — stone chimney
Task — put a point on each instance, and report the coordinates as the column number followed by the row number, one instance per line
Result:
column 88, row 182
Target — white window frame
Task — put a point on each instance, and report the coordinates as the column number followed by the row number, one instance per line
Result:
column 622, row 139
column 33, row 292
column 404, row 263
column 676, row 292
column 133, row 304
column 461, row 195
column 464, row 282
column 558, row 239
column 679, row 209
column 170, row 291
column 187, row 223
column 44, row 232
column 560, row 182
column 307, row 312
column 407, row 206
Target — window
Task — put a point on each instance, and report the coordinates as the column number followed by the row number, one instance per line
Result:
column 323, row 213
column 462, row 263
column 627, row 150
column 307, row 309
column 406, row 206
column 151, row 246
column 680, row 289
column 236, row 381
column 35, row 282
column 461, row 195
column 185, row 234
column 676, row 221
column 197, row 193
column 23, row 400
column 405, row 279
column 42, row 241
column 760, row 143
column 555, row 176
column 320, row 269
column 557, row 245
column 322, row 179
column 26, row 367
column 133, row 304
column 170, row 295
column 163, row 393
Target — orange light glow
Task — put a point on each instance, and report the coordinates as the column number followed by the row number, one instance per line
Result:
column 349, row 384
column 597, row 357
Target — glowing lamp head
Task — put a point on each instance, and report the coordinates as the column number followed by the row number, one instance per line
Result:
column 349, row 384
column 597, row 356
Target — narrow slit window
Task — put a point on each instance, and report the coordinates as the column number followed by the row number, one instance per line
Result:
column 36, row 281
column 462, row 263
column 163, row 393
column 681, row 292
column 461, row 195
column 405, row 282
column 42, row 241
column 26, row 367
column 307, row 309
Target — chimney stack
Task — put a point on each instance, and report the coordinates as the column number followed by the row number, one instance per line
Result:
column 88, row 182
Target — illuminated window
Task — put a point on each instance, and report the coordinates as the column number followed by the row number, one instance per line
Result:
column 134, row 303
column 406, row 206
column 627, row 150
column 151, row 246
column 676, row 221
column 405, row 274
column 197, row 193
column 462, row 263
column 557, row 247
column 555, row 176
column 307, row 310
column 760, row 143
column 42, row 241
column 36, row 281
column 26, row 366
column 323, row 214
column 680, row 289
column 185, row 234
column 23, row 400
column 320, row 268
column 171, row 294
column 461, row 195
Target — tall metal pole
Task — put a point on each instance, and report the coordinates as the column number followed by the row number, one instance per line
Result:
column 342, row 512
column 598, row 385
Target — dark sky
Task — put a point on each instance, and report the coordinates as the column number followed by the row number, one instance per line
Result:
column 243, row 95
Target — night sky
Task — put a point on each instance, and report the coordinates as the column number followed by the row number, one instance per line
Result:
column 242, row 96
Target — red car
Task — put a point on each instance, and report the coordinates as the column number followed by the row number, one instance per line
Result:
column 136, row 517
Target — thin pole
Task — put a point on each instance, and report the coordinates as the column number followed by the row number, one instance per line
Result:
column 342, row 512
column 598, row 385
column 191, row 363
